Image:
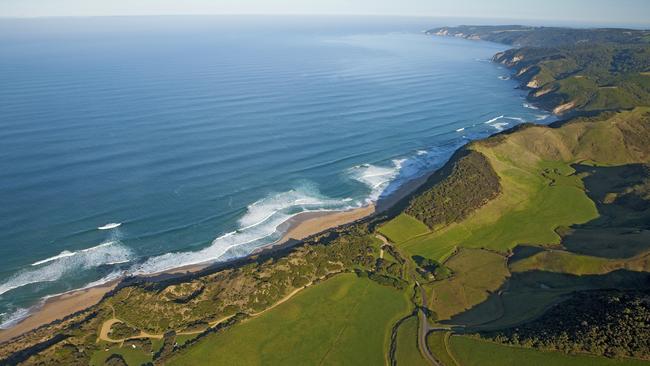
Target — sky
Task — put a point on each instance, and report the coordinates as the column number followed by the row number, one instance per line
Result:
column 633, row 12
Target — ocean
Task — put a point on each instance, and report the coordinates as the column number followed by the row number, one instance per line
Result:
column 200, row 136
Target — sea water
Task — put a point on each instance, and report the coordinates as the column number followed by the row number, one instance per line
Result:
column 134, row 145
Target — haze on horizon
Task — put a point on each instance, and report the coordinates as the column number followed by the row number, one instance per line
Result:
column 621, row 12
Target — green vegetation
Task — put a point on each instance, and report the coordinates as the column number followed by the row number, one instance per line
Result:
column 476, row 274
column 621, row 232
column 541, row 37
column 527, row 295
column 430, row 269
column 402, row 228
column 407, row 353
column 438, row 343
column 455, row 191
column 573, row 69
column 530, row 203
column 132, row 356
column 567, row 262
column 476, row 352
column 608, row 323
column 181, row 339
column 345, row 319
column 250, row 288
column 121, row 330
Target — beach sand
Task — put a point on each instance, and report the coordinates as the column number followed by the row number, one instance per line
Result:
column 58, row 307
column 299, row 227
column 308, row 224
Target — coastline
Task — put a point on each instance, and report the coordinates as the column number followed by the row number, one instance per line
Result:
column 296, row 229
column 58, row 307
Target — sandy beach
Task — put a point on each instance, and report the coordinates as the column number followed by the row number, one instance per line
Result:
column 58, row 307
column 297, row 228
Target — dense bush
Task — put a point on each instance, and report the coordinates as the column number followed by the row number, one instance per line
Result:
column 121, row 330
column 611, row 323
column 466, row 184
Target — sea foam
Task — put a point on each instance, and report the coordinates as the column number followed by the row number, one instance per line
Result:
column 260, row 225
column 68, row 263
column 15, row 317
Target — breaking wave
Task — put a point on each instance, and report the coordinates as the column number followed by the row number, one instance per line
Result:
column 530, row 106
column 500, row 126
column 68, row 263
column 493, row 119
column 14, row 318
column 377, row 178
column 259, row 226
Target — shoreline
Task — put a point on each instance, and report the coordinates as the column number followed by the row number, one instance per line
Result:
column 58, row 307
column 298, row 228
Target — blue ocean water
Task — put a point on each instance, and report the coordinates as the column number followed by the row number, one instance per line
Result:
column 202, row 135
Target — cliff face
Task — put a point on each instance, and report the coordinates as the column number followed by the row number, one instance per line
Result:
column 569, row 70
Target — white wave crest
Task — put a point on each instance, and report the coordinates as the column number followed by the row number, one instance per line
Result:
column 259, row 226
column 377, row 178
column 54, row 268
column 541, row 117
column 500, row 126
column 63, row 254
column 530, row 106
column 519, row 119
column 14, row 318
column 493, row 119
column 109, row 226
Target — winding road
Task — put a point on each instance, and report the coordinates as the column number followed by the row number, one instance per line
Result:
column 424, row 327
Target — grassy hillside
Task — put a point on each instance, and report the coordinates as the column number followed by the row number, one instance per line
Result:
column 402, row 228
column 407, row 352
column 567, row 262
column 611, row 323
column 438, row 343
column 475, row 352
column 343, row 320
column 476, row 274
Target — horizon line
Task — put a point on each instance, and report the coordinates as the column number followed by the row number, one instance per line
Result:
column 593, row 22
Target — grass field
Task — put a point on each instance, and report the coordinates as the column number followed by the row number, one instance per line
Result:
column 402, row 228
column 475, row 352
column 181, row 339
column 567, row 262
column 407, row 353
column 344, row 320
column 476, row 273
column 529, row 294
column 535, row 202
column 133, row 357
column 436, row 343
column 540, row 191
